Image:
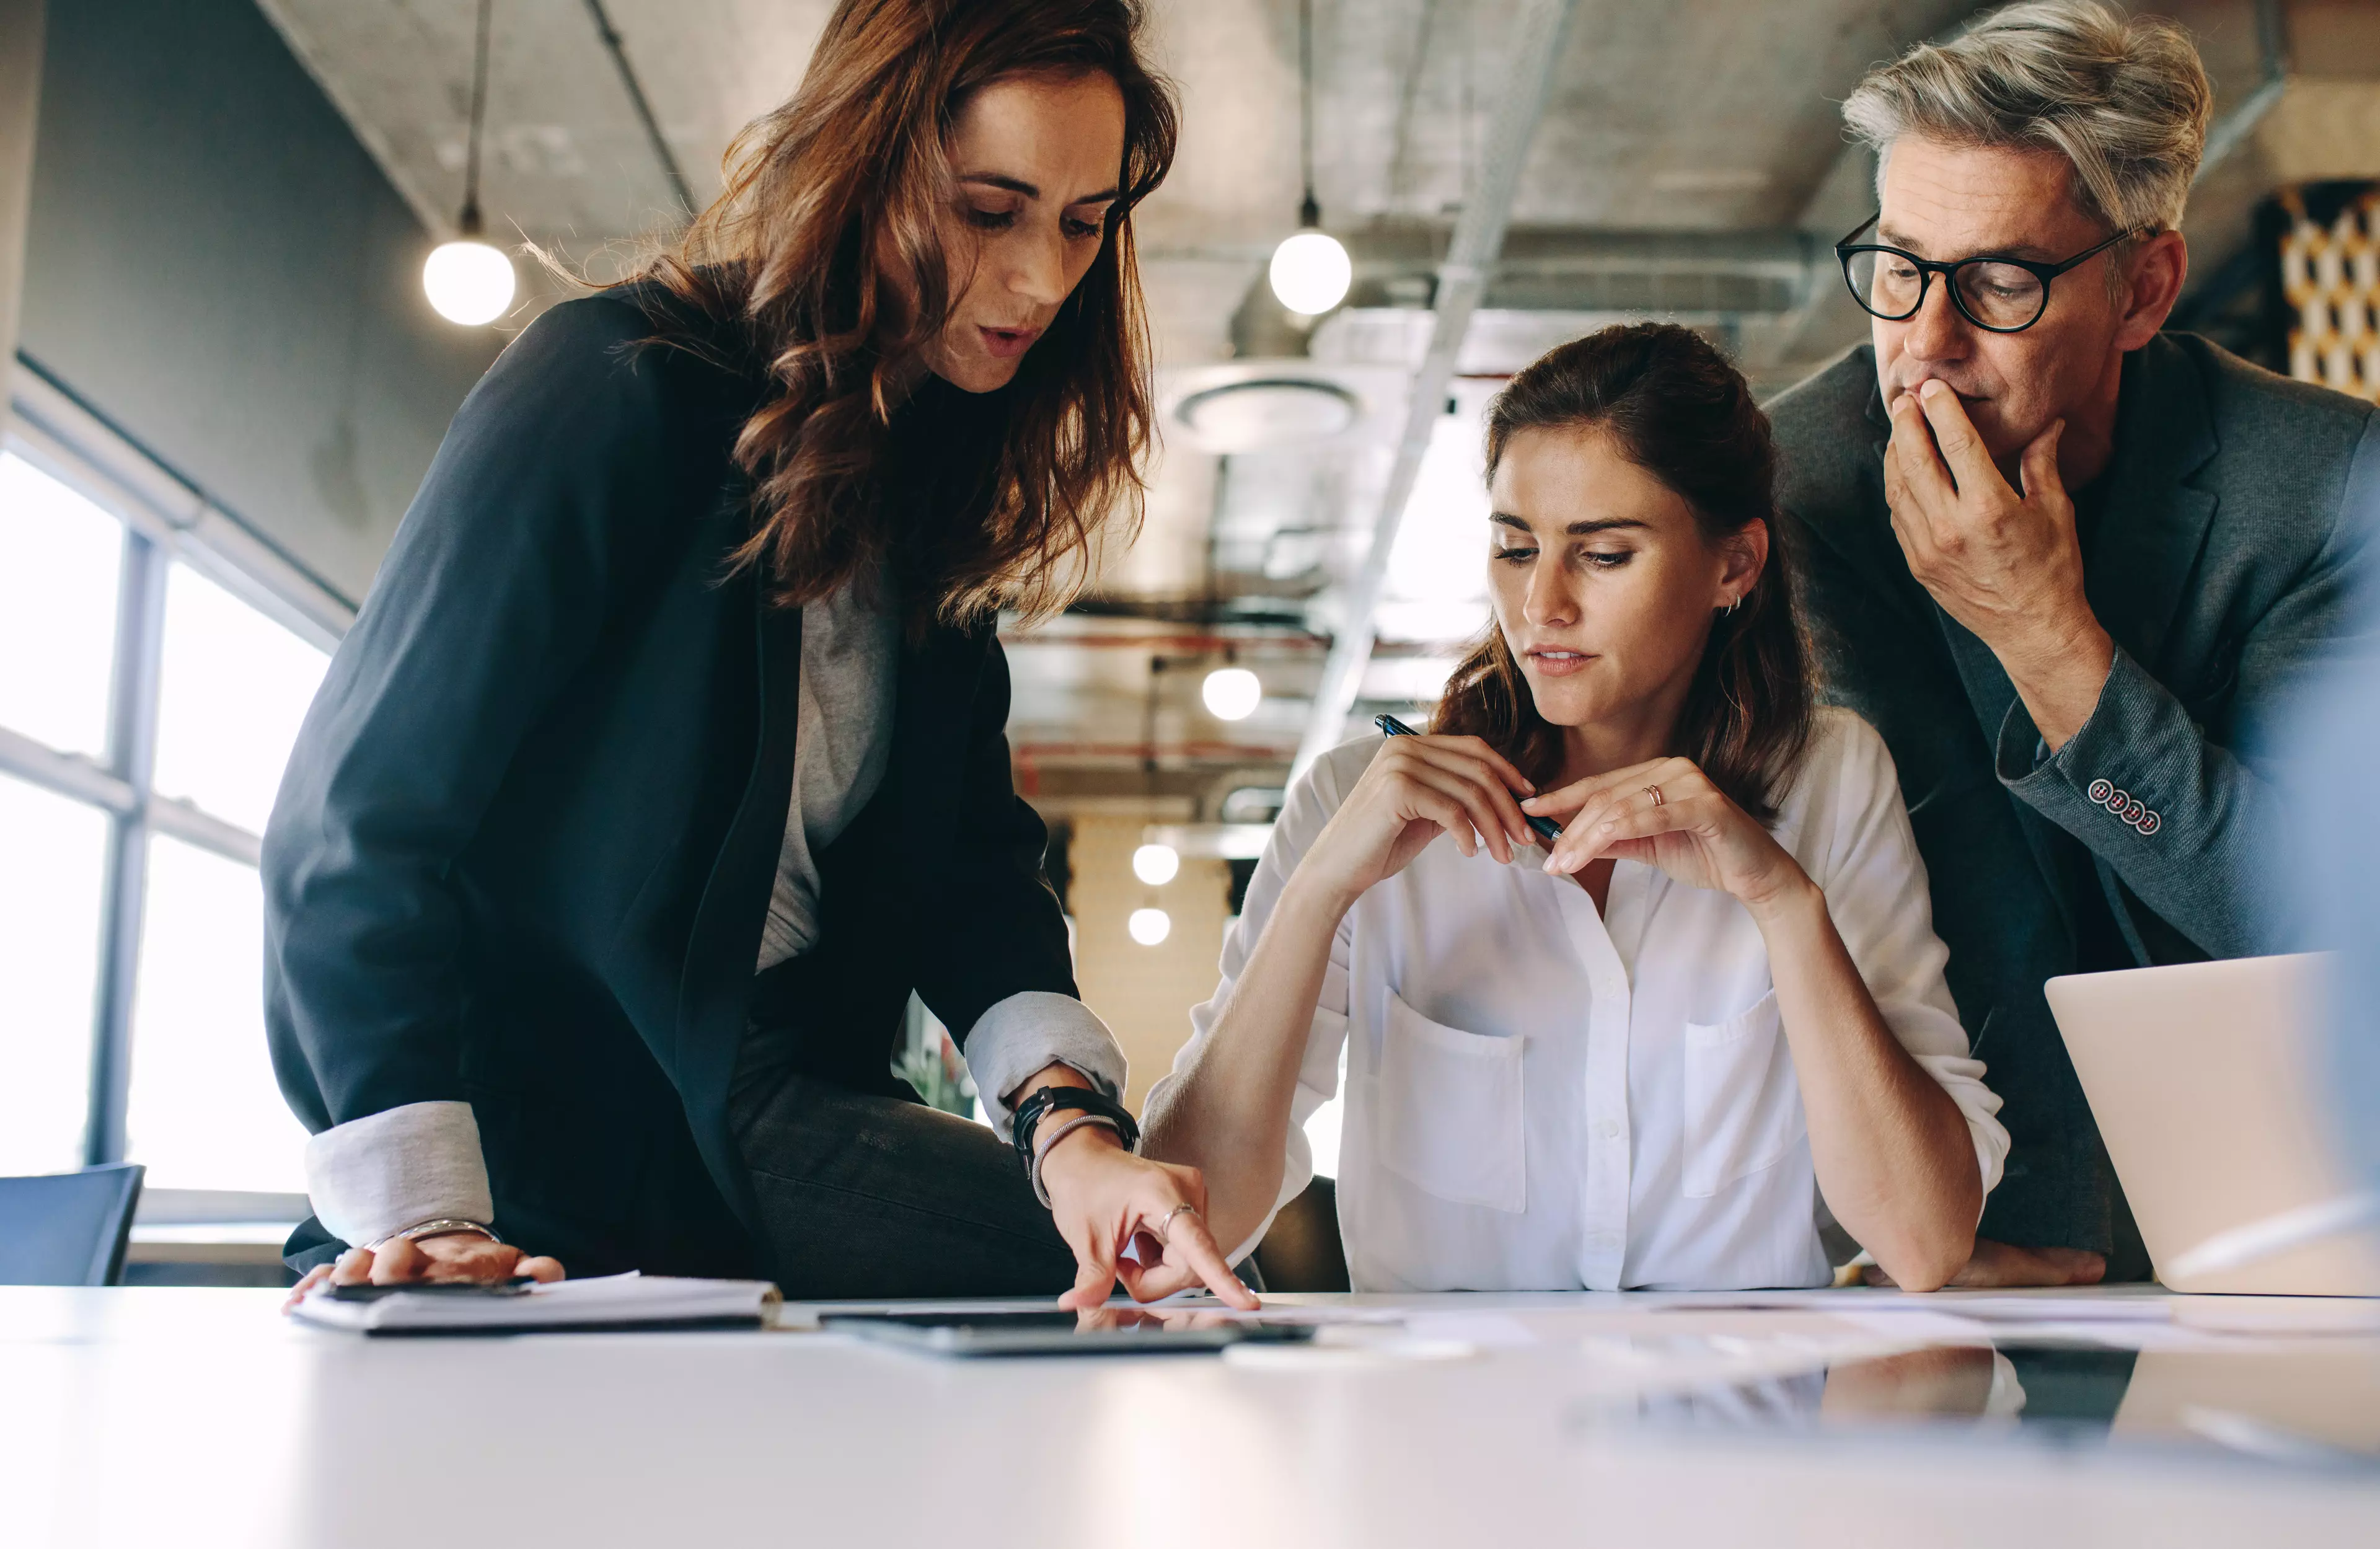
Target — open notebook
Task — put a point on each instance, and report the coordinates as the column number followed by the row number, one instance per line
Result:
column 614, row 1302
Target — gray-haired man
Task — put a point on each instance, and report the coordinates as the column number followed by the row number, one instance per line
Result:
column 2070, row 567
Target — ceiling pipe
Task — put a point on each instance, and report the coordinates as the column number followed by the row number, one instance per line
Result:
column 1388, row 248
column 1471, row 256
column 618, row 48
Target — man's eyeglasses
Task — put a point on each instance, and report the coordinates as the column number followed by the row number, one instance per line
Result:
column 1997, row 295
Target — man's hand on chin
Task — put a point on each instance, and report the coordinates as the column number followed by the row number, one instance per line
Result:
column 2003, row 561
column 2000, row 1265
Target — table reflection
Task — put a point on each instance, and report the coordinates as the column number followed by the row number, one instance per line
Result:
column 2316, row 1407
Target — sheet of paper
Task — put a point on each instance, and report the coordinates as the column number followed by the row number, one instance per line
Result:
column 2049, row 1307
column 1488, row 1331
column 1917, row 1323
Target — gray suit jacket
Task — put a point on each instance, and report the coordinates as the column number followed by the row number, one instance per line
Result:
column 2222, row 561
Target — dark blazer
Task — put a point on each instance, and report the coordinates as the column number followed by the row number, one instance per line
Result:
column 525, row 847
column 2221, row 559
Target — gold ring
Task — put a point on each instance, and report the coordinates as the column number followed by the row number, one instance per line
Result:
column 1655, row 792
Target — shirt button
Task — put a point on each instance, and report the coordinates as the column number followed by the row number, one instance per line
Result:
column 1610, row 1128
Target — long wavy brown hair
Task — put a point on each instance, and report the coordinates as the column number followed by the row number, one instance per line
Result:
column 846, row 181
column 1681, row 414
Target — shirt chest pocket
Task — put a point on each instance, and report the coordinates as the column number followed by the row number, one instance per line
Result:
column 1743, row 1104
column 1450, row 1112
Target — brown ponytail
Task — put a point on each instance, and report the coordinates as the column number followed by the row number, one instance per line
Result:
column 1682, row 414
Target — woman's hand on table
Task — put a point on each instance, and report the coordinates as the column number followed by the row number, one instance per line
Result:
column 1693, row 831
column 450, row 1257
column 1415, row 790
column 1103, row 1198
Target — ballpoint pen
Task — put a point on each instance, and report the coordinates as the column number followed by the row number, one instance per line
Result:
column 1544, row 828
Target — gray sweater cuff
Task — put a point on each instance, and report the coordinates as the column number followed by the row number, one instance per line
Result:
column 1030, row 1031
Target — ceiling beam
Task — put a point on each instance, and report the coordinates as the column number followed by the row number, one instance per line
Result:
column 618, row 49
column 1471, row 255
column 21, row 97
column 2233, row 130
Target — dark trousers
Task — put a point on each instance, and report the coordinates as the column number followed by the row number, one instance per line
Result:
column 864, row 1196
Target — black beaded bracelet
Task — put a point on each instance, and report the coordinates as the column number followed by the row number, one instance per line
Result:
column 1048, row 1100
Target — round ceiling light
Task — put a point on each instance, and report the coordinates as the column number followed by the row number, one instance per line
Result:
column 1150, row 926
column 468, row 282
column 1310, row 273
column 1231, row 693
column 1156, row 864
column 1265, row 412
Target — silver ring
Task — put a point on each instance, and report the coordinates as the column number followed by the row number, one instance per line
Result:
column 1655, row 792
column 1165, row 1222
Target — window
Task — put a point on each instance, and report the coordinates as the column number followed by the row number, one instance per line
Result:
column 147, row 709
column 55, row 852
column 61, row 559
column 234, row 687
column 206, row 1112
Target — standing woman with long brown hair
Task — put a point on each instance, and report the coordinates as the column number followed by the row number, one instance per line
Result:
column 1666, row 1051
column 667, row 758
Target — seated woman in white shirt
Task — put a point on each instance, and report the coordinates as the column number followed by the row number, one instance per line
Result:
column 1713, row 1018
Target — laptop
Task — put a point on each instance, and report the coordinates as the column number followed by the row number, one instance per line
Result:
column 2208, row 1082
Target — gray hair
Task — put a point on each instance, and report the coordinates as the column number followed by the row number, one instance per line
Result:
column 2124, row 98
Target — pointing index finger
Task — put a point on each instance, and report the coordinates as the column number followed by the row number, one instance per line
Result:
column 1198, row 1246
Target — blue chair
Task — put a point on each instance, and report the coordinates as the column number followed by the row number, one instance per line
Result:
column 67, row 1228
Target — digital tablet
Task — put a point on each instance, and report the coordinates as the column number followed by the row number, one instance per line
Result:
column 1037, row 1332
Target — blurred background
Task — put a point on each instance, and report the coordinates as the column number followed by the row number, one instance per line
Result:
column 228, row 374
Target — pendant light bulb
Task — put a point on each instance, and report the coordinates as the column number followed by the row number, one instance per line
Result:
column 1231, row 693
column 1310, row 271
column 469, row 280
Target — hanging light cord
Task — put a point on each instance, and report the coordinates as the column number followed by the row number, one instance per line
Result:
column 470, row 219
column 1310, row 212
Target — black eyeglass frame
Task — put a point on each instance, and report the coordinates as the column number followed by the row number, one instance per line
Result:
column 1846, row 250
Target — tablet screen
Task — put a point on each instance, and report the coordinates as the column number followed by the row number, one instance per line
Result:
column 1037, row 1331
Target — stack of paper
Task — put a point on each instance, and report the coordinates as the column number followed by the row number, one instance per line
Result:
column 616, row 1301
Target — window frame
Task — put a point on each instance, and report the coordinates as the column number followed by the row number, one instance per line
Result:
column 166, row 518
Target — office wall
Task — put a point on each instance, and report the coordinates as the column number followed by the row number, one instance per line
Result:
column 1144, row 992
column 216, row 266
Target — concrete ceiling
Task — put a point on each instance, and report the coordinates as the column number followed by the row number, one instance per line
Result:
column 1691, row 163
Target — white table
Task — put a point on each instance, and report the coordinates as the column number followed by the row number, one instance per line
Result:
column 173, row 1417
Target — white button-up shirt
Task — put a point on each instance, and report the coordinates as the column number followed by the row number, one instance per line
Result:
column 1542, row 1098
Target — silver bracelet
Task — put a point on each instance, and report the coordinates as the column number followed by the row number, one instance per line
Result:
column 441, row 1227
column 1042, row 1153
